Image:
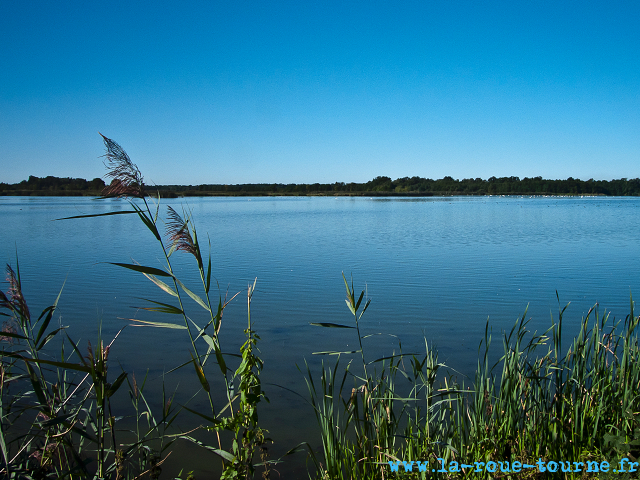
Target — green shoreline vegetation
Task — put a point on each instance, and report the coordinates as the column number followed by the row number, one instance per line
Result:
column 543, row 401
column 379, row 186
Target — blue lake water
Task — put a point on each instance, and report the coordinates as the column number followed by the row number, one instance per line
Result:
column 434, row 268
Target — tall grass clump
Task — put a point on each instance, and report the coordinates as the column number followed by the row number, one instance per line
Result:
column 62, row 409
column 540, row 403
column 367, row 417
column 55, row 413
column 537, row 403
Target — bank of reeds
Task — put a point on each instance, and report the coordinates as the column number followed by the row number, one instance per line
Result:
column 542, row 401
column 537, row 404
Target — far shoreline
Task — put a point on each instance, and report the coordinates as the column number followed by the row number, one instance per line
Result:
column 378, row 187
column 169, row 194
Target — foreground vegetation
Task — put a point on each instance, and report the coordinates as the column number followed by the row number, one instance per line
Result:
column 539, row 402
column 535, row 404
column 379, row 186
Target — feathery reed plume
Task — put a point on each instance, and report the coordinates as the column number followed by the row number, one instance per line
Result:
column 8, row 327
column 179, row 235
column 15, row 300
column 127, row 179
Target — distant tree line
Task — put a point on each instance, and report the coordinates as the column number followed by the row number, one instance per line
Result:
column 383, row 186
column 53, row 186
column 409, row 186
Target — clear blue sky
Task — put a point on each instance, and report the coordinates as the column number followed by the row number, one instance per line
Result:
column 303, row 92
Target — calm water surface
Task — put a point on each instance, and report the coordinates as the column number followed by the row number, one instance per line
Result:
column 435, row 268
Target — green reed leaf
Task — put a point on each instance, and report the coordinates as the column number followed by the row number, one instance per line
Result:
column 220, row 360
column 200, row 373
column 163, row 286
column 35, row 381
column 208, row 283
column 391, row 357
column 163, row 307
column 13, row 335
column 3, row 447
column 48, row 314
column 73, row 366
column 201, row 415
column 194, row 297
column 359, row 300
column 210, row 341
column 366, row 305
column 84, row 434
column 147, row 323
column 143, row 269
column 77, row 351
column 350, row 305
column 123, row 212
column 49, row 337
column 222, row 453
column 52, row 422
column 147, row 221
column 116, row 385
column 213, row 344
